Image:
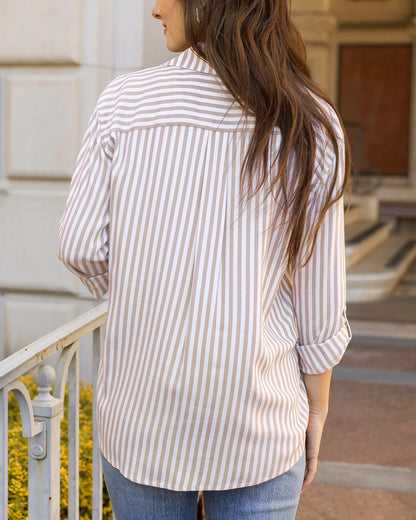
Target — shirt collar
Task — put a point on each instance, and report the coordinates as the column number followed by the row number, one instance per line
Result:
column 190, row 60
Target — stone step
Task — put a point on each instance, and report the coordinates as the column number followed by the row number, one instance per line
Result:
column 363, row 236
column 410, row 276
column 378, row 273
column 352, row 215
column 407, row 285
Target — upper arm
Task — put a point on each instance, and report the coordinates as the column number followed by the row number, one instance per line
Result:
column 84, row 227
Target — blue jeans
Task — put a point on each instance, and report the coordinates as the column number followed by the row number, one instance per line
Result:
column 276, row 499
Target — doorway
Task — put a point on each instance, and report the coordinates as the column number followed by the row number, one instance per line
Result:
column 374, row 99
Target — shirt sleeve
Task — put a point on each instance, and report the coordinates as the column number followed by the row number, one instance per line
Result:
column 83, row 239
column 319, row 288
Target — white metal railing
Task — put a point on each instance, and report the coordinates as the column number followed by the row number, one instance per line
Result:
column 41, row 416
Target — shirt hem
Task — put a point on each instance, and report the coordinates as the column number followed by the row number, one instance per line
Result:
column 294, row 459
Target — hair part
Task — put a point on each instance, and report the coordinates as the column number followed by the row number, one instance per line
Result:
column 260, row 56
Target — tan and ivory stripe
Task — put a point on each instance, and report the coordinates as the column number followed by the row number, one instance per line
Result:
column 199, row 385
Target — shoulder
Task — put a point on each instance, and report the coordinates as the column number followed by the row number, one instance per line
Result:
column 329, row 112
column 329, row 155
column 133, row 86
column 149, row 82
column 160, row 95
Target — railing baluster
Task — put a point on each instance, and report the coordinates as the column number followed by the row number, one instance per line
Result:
column 97, row 477
column 44, row 449
column 73, row 437
column 4, row 460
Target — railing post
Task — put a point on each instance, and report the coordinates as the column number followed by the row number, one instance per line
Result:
column 97, row 476
column 44, row 449
column 4, row 458
column 73, row 437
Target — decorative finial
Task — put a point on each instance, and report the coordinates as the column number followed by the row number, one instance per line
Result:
column 44, row 377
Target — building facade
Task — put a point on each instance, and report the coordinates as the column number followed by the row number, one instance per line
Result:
column 56, row 58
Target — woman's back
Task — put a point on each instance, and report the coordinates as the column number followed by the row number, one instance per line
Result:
column 208, row 328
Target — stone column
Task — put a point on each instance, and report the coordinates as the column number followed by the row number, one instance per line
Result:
column 317, row 25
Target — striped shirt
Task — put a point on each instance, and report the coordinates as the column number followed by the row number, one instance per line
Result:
column 200, row 383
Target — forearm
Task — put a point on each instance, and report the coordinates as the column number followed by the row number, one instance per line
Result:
column 317, row 388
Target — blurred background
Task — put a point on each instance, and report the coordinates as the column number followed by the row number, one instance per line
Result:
column 57, row 57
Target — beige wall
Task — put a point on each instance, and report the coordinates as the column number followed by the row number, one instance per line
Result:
column 372, row 11
column 55, row 58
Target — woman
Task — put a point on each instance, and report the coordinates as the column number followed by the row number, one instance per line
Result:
column 207, row 201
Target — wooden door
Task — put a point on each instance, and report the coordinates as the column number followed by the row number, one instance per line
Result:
column 374, row 96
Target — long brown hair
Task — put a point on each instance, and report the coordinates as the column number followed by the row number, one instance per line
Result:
column 260, row 56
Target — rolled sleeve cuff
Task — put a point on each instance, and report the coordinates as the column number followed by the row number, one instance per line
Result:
column 97, row 285
column 320, row 357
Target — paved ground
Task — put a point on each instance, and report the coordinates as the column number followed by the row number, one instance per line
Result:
column 368, row 456
column 399, row 309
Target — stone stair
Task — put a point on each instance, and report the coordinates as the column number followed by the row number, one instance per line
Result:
column 362, row 237
column 376, row 258
column 352, row 215
column 407, row 284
